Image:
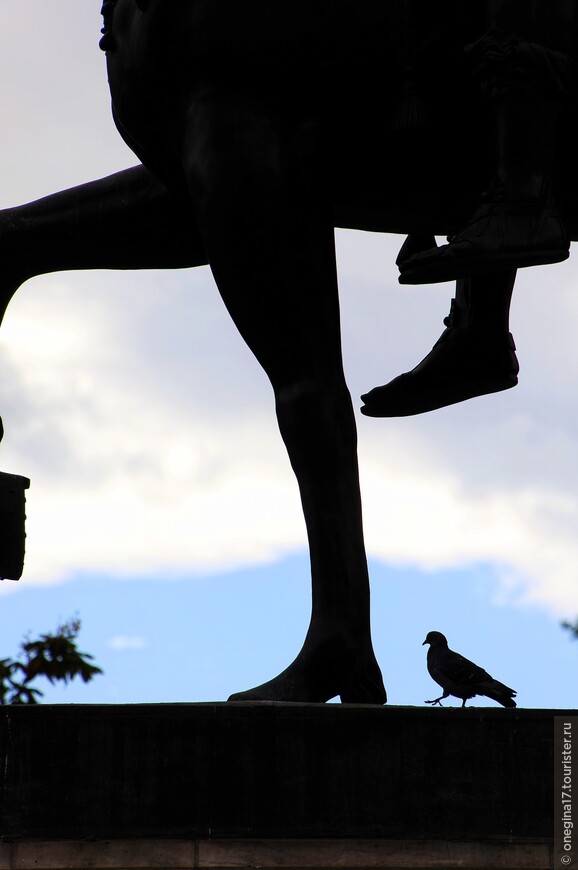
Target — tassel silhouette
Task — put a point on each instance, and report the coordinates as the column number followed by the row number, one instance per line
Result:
column 411, row 113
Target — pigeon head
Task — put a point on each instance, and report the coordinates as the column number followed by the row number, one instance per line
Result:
column 436, row 638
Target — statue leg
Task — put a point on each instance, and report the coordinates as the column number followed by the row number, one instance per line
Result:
column 526, row 75
column 273, row 260
column 128, row 220
column 474, row 356
column 524, row 68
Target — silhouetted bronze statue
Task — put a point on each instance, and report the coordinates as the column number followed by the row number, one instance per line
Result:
column 260, row 129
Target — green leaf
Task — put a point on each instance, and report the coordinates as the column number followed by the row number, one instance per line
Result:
column 54, row 657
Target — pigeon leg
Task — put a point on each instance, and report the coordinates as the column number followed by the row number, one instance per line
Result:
column 439, row 700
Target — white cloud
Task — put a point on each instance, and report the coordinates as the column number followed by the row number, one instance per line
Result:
column 122, row 642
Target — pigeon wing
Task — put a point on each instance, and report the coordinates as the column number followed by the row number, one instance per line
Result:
column 451, row 669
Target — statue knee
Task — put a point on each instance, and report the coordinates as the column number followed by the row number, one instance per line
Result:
column 319, row 413
column 297, row 396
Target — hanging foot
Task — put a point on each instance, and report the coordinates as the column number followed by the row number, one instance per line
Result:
column 465, row 362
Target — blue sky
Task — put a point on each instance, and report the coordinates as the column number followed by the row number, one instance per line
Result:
column 162, row 508
column 201, row 638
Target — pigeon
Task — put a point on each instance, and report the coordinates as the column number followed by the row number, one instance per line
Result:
column 459, row 677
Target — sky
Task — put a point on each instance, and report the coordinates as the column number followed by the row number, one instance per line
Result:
column 162, row 509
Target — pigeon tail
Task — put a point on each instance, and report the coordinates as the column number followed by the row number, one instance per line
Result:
column 498, row 692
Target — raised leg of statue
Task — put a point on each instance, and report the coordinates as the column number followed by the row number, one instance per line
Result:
column 128, row 220
column 258, row 197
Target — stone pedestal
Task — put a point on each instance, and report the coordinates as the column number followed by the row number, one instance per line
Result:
column 275, row 785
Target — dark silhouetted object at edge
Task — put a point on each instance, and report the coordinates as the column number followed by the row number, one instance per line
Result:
column 460, row 677
column 12, row 523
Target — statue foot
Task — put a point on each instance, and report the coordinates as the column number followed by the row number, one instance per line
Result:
column 499, row 236
column 463, row 363
column 323, row 672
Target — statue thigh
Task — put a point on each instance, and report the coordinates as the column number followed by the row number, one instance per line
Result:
column 272, row 257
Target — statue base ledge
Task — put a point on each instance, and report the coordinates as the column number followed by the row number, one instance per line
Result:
column 274, row 784
column 146, row 854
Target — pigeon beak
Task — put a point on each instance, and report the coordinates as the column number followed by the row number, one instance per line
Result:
column 424, row 643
